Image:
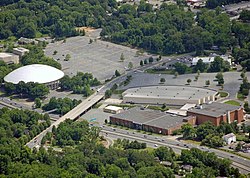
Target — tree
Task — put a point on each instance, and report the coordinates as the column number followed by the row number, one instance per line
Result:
column 243, row 74
column 205, row 129
column 90, row 41
column 246, row 107
column 67, row 58
column 122, row 58
column 162, row 80
column 113, row 171
column 117, row 73
column 55, row 52
column 176, row 74
column 238, row 147
column 141, row 63
column 198, row 72
column 188, row 131
column 219, row 65
column 108, row 93
column 130, row 65
column 180, row 68
column 200, row 66
column 165, row 154
column 189, row 81
column 212, row 141
column 196, row 77
column 220, row 79
column 246, row 64
column 38, row 103
column 151, row 59
column 145, row 61
column 207, row 82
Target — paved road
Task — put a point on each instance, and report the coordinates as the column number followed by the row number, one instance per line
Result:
column 238, row 6
column 155, row 141
column 72, row 114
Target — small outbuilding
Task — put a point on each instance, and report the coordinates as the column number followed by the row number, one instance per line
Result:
column 229, row 138
column 20, row 51
column 113, row 109
column 9, row 58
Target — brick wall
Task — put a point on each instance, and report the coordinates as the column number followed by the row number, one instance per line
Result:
column 202, row 118
column 234, row 115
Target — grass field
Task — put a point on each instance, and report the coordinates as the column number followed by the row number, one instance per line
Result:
column 232, row 102
column 223, row 94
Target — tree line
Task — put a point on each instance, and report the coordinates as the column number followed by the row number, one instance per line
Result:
column 209, row 134
column 80, row 153
column 30, row 90
column 169, row 29
column 54, row 18
column 62, row 105
column 80, row 83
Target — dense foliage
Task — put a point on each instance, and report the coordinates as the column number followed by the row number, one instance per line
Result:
column 80, row 83
column 31, row 90
column 168, row 30
column 208, row 161
column 209, row 134
column 17, row 127
column 5, row 69
column 82, row 155
column 31, row 18
column 62, row 105
column 37, row 56
column 241, row 53
column 126, row 144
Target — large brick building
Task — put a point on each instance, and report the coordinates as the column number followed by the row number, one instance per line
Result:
column 217, row 113
column 151, row 120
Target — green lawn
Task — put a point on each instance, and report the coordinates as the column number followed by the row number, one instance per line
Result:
column 232, row 102
column 240, row 96
column 157, row 108
column 223, row 94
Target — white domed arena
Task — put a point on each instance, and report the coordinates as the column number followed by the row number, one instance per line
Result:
column 37, row 73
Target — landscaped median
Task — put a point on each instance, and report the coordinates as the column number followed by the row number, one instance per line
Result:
column 232, row 102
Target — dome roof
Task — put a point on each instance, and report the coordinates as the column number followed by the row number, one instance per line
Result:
column 37, row 73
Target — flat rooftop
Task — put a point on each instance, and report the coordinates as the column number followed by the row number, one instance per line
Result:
column 21, row 49
column 151, row 117
column 3, row 55
column 215, row 109
column 169, row 92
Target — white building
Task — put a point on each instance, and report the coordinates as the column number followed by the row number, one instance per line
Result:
column 229, row 138
column 9, row 58
column 36, row 73
column 113, row 109
column 170, row 95
column 20, row 51
column 210, row 58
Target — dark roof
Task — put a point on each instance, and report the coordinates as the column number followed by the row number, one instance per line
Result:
column 151, row 117
column 215, row 109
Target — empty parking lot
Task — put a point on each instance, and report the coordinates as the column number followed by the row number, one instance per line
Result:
column 99, row 57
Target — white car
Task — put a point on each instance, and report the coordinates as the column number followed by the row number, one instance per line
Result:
column 155, row 145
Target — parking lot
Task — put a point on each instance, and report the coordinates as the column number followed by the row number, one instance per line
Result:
column 232, row 82
column 99, row 57
column 96, row 117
